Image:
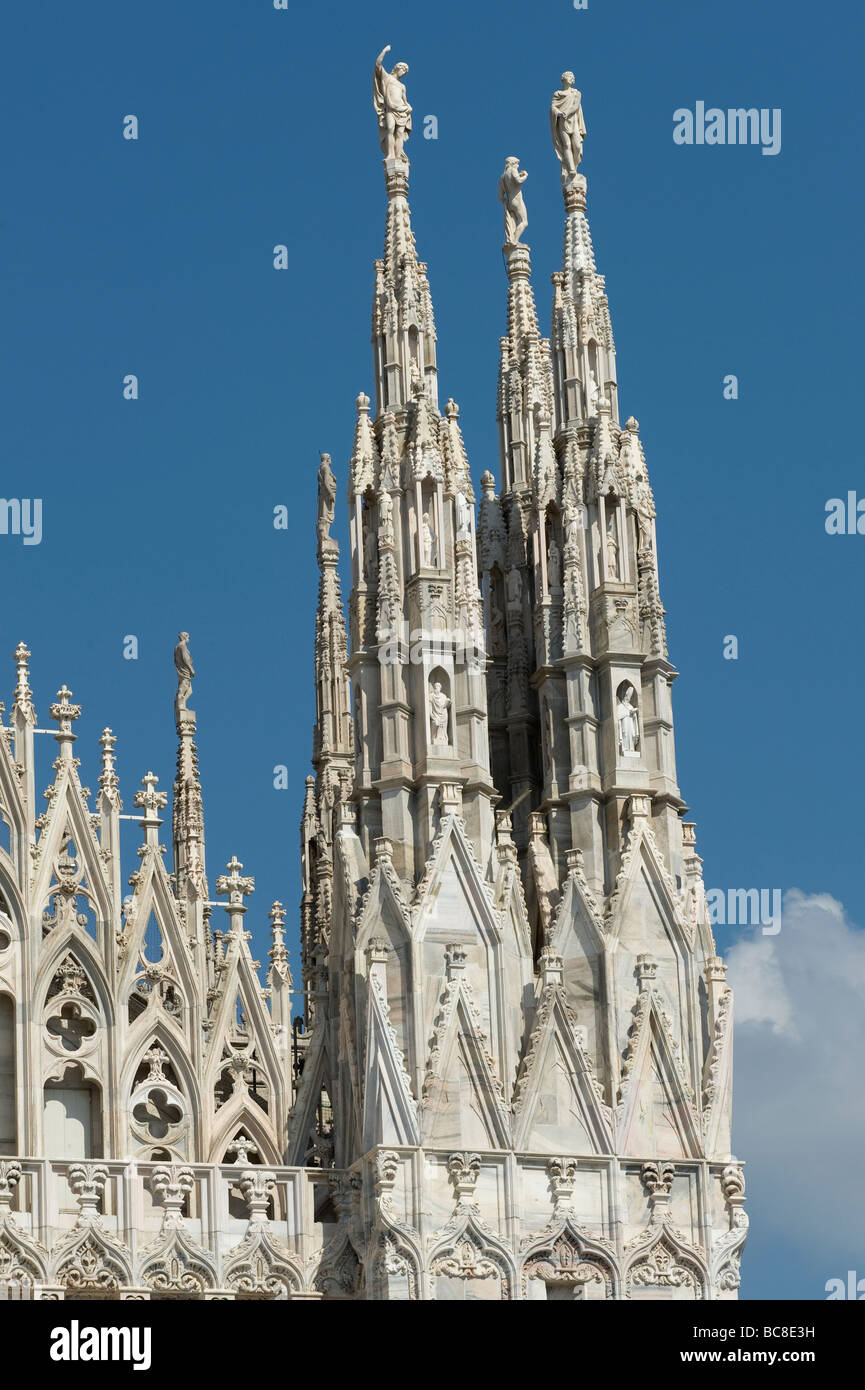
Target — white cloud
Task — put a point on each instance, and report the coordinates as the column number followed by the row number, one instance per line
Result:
column 799, row 1083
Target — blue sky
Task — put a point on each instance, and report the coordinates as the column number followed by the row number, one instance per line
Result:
column 155, row 257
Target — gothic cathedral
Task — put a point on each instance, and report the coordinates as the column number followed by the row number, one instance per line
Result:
column 512, row 1078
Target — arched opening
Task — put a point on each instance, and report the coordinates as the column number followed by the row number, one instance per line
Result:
column 73, row 1117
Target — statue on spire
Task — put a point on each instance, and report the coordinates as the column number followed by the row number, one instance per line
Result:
column 568, row 127
column 511, row 194
column 391, row 107
column 326, row 499
column 185, row 671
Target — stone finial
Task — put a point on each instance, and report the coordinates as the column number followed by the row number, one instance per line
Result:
column 63, row 712
column 657, row 1178
column 562, row 1173
column 235, row 887
column 455, row 960
column 23, row 693
column 257, row 1187
column 278, row 953
column 383, row 848
column 733, row 1183
column 387, row 1165
column 87, row 1181
column 647, row 969
column 716, row 970
column 488, row 486
column 464, row 1170
column 10, row 1176
column 108, row 779
column 172, row 1184
column 150, row 800
column 552, row 967
column 241, row 1147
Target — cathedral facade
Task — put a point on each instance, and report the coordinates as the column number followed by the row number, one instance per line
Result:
column 513, row 1075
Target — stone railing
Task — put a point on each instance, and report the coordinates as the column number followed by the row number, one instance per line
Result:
column 101, row 1228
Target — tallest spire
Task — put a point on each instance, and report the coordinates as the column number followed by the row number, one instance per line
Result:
column 403, row 327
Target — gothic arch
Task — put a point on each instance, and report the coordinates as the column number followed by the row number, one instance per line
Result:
column 81, row 946
column 175, row 1263
column 260, row 1267
column 660, row 1257
column 565, row 1254
column 17, row 914
column 239, row 1114
column 466, row 1249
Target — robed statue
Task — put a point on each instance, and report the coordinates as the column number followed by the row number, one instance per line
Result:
column 185, row 671
column 567, row 126
column 326, row 498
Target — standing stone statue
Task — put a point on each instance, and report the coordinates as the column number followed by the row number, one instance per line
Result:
column 612, row 550
column 185, row 671
column 628, row 721
column 463, row 518
column 370, row 553
column 391, row 107
column 439, row 705
column 568, row 127
column 510, row 193
column 572, row 525
column 554, row 566
column 429, row 543
column 326, row 498
column 592, row 392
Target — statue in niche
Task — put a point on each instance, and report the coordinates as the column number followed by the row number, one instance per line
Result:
column 185, row 671
column 612, row 550
column 592, row 392
column 628, row 721
column 385, row 515
column 567, row 126
column 370, row 550
column 497, row 627
column 515, row 587
column 645, row 512
column 391, row 106
column 572, row 523
column 463, row 516
column 326, row 498
column 429, row 541
column 554, row 566
column 511, row 195
column 439, row 705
